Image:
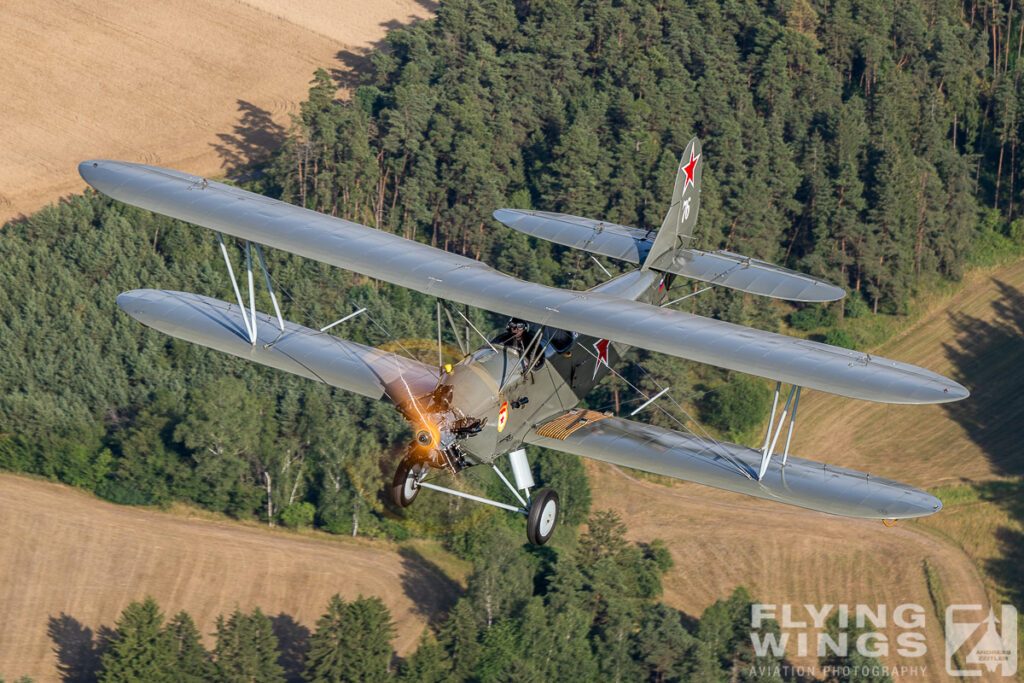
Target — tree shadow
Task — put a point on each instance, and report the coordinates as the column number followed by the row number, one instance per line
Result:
column 429, row 588
column 254, row 138
column 1006, row 568
column 78, row 650
column 355, row 65
column 429, row 5
column 256, row 135
column 987, row 358
column 292, row 644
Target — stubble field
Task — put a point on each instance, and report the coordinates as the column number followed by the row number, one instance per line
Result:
column 71, row 563
column 204, row 87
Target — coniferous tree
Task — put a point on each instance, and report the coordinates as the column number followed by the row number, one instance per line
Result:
column 459, row 638
column 352, row 642
column 850, row 664
column 246, row 649
column 663, row 647
column 138, row 650
column 190, row 660
column 428, row 664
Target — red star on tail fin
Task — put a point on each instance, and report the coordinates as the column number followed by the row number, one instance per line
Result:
column 688, row 169
column 601, row 346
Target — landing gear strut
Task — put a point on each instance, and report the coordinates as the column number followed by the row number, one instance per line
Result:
column 541, row 512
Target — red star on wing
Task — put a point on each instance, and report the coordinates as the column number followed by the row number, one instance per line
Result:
column 601, row 346
column 688, row 169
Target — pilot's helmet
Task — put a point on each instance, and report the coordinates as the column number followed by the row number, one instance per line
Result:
column 516, row 325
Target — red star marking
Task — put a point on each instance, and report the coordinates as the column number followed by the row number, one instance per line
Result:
column 601, row 346
column 688, row 169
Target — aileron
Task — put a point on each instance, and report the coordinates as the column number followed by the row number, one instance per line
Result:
column 732, row 467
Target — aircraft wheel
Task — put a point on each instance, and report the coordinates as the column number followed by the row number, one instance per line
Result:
column 405, row 486
column 540, row 523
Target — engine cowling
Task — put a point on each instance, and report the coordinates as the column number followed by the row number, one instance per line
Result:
column 461, row 416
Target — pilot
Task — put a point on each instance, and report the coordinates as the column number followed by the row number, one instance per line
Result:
column 515, row 334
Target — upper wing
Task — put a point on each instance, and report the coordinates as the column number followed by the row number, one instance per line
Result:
column 435, row 272
column 803, row 483
column 299, row 350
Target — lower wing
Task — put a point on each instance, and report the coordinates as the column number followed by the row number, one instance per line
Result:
column 299, row 350
column 732, row 467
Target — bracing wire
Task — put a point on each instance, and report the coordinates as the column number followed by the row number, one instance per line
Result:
column 310, row 318
column 710, row 442
column 468, row 322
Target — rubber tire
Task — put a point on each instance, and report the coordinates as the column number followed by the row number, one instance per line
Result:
column 402, row 492
column 543, row 517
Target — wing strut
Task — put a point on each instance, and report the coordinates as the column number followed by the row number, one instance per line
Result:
column 249, row 319
column 270, row 288
column 770, row 441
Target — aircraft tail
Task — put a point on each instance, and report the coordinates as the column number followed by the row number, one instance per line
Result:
column 668, row 251
column 677, row 228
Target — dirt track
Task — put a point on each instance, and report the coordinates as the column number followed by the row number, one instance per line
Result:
column 198, row 86
column 72, row 562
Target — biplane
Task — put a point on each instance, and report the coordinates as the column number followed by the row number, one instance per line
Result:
column 525, row 386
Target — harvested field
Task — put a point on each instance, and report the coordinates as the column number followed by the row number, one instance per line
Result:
column 204, row 87
column 71, row 563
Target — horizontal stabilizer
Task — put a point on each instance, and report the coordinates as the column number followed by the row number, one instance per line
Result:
column 728, row 466
column 299, row 350
column 632, row 245
column 747, row 275
column 588, row 234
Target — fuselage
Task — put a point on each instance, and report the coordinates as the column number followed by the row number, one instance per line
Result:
column 506, row 388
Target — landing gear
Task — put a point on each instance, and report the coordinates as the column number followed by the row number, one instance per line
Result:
column 541, row 512
column 540, row 522
column 406, row 484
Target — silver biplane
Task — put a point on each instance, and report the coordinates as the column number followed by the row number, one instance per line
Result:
column 524, row 386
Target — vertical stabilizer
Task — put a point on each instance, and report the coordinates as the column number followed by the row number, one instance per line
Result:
column 677, row 228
